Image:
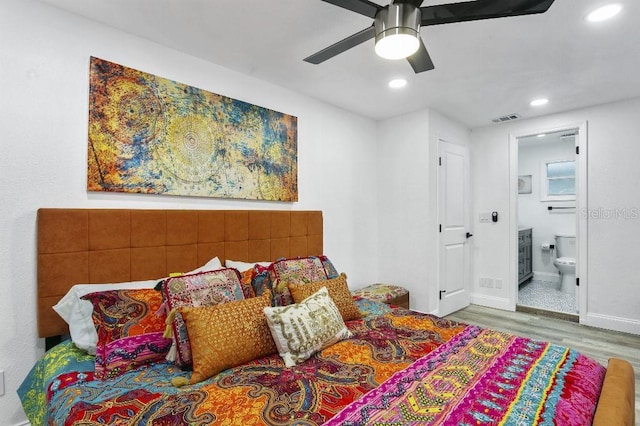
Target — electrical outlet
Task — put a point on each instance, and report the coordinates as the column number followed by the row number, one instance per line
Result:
column 1, row 382
column 486, row 282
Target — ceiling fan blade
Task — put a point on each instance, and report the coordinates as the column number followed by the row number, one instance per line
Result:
column 421, row 61
column 363, row 7
column 481, row 9
column 342, row 45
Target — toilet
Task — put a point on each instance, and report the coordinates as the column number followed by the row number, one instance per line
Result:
column 566, row 261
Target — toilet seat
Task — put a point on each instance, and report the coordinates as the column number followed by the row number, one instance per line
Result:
column 567, row 261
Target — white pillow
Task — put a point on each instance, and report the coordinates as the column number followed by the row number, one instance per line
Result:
column 244, row 266
column 77, row 312
column 302, row 329
column 212, row 265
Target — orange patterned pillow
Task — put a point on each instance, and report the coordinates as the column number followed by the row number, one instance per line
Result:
column 338, row 291
column 246, row 278
column 227, row 335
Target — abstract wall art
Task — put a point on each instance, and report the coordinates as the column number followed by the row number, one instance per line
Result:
column 149, row 134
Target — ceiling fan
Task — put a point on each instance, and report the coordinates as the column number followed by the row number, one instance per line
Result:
column 396, row 27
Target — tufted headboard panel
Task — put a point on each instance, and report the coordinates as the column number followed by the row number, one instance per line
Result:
column 91, row 246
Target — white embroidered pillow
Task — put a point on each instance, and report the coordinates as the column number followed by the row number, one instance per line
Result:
column 304, row 328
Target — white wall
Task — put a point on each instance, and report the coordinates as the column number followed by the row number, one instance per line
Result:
column 407, row 191
column 44, row 66
column 404, row 207
column 613, row 297
column 533, row 213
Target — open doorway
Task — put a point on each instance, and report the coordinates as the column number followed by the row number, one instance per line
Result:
column 546, row 204
column 547, row 222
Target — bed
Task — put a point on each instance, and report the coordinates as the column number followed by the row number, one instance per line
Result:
column 391, row 366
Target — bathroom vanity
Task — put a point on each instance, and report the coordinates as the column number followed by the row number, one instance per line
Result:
column 525, row 266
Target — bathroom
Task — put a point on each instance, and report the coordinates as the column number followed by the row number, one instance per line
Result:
column 547, row 223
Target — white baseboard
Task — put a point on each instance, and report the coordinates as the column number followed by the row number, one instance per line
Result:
column 23, row 424
column 491, row 302
column 624, row 325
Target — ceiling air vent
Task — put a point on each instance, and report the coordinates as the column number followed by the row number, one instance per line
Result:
column 508, row 117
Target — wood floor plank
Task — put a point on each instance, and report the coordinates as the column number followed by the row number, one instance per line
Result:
column 596, row 343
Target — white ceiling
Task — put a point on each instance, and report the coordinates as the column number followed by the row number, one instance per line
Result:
column 484, row 69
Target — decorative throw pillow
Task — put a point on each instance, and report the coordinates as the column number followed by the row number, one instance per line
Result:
column 338, row 291
column 260, row 280
column 202, row 289
column 129, row 330
column 246, row 278
column 227, row 335
column 330, row 270
column 77, row 312
column 300, row 270
column 302, row 329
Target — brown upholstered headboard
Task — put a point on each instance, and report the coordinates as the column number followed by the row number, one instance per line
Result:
column 90, row 246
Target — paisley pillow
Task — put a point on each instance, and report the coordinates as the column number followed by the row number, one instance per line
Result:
column 331, row 270
column 202, row 289
column 260, row 280
column 246, row 280
column 129, row 330
column 301, row 270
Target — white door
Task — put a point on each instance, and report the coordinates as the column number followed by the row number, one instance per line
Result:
column 454, row 276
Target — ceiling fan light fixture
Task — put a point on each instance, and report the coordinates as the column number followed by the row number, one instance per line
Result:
column 397, row 46
column 397, row 31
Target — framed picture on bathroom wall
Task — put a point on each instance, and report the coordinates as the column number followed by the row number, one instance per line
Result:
column 524, row 184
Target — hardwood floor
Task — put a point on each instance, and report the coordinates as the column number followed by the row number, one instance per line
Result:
column 597, row 343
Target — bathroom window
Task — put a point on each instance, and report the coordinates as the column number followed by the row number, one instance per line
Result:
column 559, row 180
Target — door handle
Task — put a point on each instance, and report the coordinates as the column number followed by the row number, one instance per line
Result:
column 469, row 234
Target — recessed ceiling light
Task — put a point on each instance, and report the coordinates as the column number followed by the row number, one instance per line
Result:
column 603, row 13
column 539, row 102
column 541, row 135
column 397, row 83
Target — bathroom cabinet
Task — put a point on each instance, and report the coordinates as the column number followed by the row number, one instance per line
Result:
column 525, row 267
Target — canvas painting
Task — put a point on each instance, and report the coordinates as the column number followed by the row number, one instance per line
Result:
column 149, row 134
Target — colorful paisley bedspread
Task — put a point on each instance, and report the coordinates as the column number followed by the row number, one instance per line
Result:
column 484, row 377
column 399, row 368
